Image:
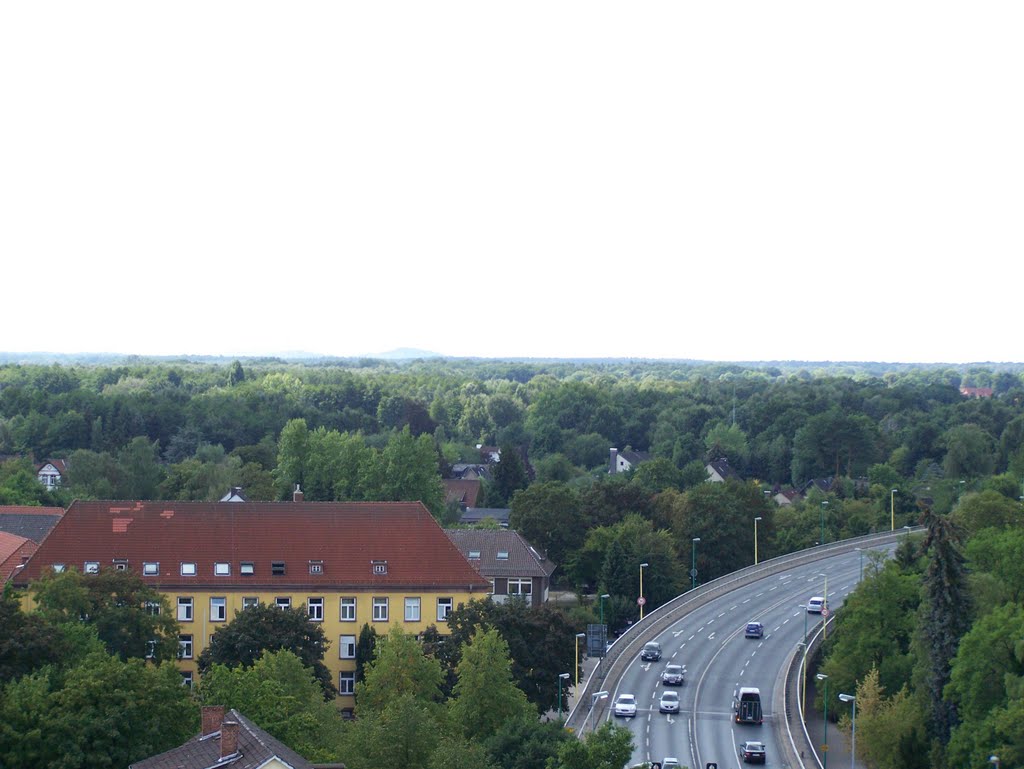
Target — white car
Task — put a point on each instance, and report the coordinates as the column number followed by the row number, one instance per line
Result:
column 669, row 761
column 625, row 706
column 669, row 702
column 815, row 604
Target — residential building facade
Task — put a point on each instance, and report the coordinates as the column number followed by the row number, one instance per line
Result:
column 514, row 567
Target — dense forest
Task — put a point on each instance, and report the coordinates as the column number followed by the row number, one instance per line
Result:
column 858, row 448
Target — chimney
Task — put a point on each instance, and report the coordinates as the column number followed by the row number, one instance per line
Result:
column 212, row 716
column 613, row 461
column 297, row 495
column 228, row 738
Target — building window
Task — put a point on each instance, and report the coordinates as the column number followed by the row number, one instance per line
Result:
column 185, row 646
column 249, row 601
column 222, row 569
column 315, row 609
column 153, row 608
column 444, row 608
column 503, row 555
column 150, row 649
column 474, row 554
column 91, row 567
column 347, row 647
column 247, row 568
column 186, row 678
column 121, row 564
column 188, row 569
column 379, row 567
column 218, row 609
column 348, row 610
column 380, row 609
column 283, row 603
column 184, row 610
column 347, row 682
column 412, row 609
column 277, row 568
column 520, row 586
column 316, row 567
column 151, row 569
column 58, row 568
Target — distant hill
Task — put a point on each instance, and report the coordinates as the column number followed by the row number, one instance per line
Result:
column 404, row 353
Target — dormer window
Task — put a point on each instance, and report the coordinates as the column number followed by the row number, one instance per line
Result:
column 121, row 564
column 503, row 555
column 91, row 567
column 277, row 568
column 247, row 568
column 58, row 568
column 150, row 568
column 221, row 569
column 474, row 554
column 316, row 567
column 188, row 569
column 379, row 567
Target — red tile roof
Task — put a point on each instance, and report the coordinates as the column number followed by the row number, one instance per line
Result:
column 31, row 510
column 12, row 549
column 461, row 490
column 347, row 536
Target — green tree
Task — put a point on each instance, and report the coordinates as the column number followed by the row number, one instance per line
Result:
column 548, row 515
column 279, row 694
column 526, row 744
column 406, row 472
column 509, row 476
column 131, row 618
column 405, row 731
column 264, row 628
column 485, row 694
column 139, row 469
column 726, row 440
column 399, row 667
column 608, row 747
column 292, row 452
column 970, row 452
column 104, row 712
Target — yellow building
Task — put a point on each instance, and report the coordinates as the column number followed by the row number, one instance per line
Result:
column 348, row 563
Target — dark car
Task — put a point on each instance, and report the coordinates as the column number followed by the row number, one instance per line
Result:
column 673, row 675
column 754, row 630
column 752, row 752
column 651, row 652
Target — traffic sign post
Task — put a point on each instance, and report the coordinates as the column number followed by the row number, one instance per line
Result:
column 824, row 612
column 641, row 601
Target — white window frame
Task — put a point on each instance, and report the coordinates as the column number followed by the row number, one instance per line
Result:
column 58, row 568
column 185, row 642
column 315, row 609
column 502, row 555
column 247, row 568
column 91, row 567
column 283, row 602
column 151, row 569
column 218, row 608
column 188, row 604
column 249, row 601
column 347, row 647
column 444, row 608
column 521, row 582
column 221, row 569
column 186, row 678
column 347, row 683
column 380, row 603
column 412, row 609
column 188, row 569
column 344, row 604
column 316, row 567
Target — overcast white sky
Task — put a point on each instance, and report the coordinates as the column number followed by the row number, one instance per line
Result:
column 710, row 180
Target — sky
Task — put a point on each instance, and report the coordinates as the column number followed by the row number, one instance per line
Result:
column 724, row 181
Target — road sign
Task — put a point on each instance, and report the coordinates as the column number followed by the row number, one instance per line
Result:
column 711, row 765
column 693, row 572
column 824, row 612
column 641, row 600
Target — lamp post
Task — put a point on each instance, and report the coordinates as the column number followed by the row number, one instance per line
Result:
column 824, row 504
column 853, row 738
column 892, row 509
column 593, row 704
column 758, row 518
column 605, row 595
column 561, row 677
column 578, row 637
column 642, row 600
column 824, row 609
column 824, row 750
column 861, row 551
column 693, row 566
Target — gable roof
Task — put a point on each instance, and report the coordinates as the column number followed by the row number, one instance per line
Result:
column 12, row 550
column 346, row 536
column 524, row 560
column 463, row 491
column 30, row 522
column 255, row 748
column 478, row 514
column 721, row 468
column 60, row 465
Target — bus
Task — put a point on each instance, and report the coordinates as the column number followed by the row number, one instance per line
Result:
column 748, row 706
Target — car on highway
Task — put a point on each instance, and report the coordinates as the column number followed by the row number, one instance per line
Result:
column 625, row 706
column 651, row 652
column 816, row 604
column 670, row 761
column 754, row 630
column 673, row 675
column 669, row 702
column 752, row 752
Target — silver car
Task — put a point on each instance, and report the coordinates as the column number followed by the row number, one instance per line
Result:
column 669, row 702
column 625, row 706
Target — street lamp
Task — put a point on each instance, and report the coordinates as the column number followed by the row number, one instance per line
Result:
column 758, row 518
column 853, row 738
column 693, row 566
column 578, row 637
column 892, row 509
column 824, row 504
column 593, row 704
column 561, row 677
column 642, row 599
column 824, row 609
column 605, row 595
column 824, row 750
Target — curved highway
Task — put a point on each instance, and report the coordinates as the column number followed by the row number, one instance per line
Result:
column 710, row 643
